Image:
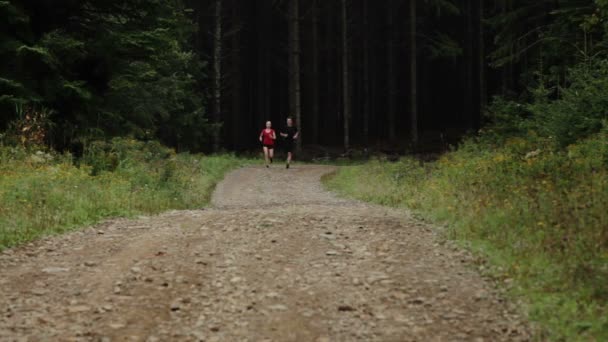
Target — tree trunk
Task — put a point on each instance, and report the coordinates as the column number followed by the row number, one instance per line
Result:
column 413, row 77
column 483, row 87
column 217, row 73
column 366, row 78
column 237, row 78
column 390, row 68
column 468, row 69
column 345, row 78
column 507, row 70
column 315, row 73
column 294, row 66
column 332, row 76
column 261, row 87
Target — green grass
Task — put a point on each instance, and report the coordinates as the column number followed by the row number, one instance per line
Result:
column 540, row 219
column 46, row 194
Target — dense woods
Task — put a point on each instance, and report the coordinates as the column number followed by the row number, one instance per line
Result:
column 202, row 75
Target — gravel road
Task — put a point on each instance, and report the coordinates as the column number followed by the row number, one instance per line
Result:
column 274, row 258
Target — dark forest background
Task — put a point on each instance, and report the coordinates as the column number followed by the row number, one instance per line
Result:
column 205, row 75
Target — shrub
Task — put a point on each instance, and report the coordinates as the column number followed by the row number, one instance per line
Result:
column 562, row 114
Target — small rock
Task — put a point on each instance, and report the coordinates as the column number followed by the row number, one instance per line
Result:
column 199, row 336
column 39, row 292
column 401, row 319
column 459, row 312
column 308, row 313
column 135, row 269
column 236, row 280
column 328, row 236
column 345, row 308
column 116, row 326
column 90, row 263
column 176, row 306
column 480, row 296
column 375, row 277
column 418, row 300
column 55, row 270
column 78, row 308
column 278, row 307
column 331, row 253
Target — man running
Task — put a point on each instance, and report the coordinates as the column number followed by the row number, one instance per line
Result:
column 290, row 134
column 267, row 138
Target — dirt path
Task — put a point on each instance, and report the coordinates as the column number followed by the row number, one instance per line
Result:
column 276, row 258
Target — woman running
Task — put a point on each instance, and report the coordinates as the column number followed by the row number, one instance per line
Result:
column 291, row 134
column 267, row 138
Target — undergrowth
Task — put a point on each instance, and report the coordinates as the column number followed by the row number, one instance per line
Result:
column 43, row 192
column 539, row 214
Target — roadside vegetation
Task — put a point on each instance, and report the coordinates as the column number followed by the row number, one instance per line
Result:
column 43, row 192
column 529, row 193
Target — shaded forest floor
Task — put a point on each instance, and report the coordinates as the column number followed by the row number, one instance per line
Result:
column 276, row 258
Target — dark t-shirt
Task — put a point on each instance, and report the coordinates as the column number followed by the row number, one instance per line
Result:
column 291, row 132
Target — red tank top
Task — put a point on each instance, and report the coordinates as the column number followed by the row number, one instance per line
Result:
column 267, row 137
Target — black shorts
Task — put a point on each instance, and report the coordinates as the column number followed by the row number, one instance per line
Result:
column 289, row 146
column 270, row 147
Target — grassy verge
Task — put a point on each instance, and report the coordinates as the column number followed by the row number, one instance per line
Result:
column 42, row 194
column 539, row 216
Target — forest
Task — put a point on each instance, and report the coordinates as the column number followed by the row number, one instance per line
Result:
column 206, row 75
column 487, row 118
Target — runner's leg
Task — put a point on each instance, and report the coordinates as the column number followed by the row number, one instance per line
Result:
column 266, row 155
column 271, row 153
